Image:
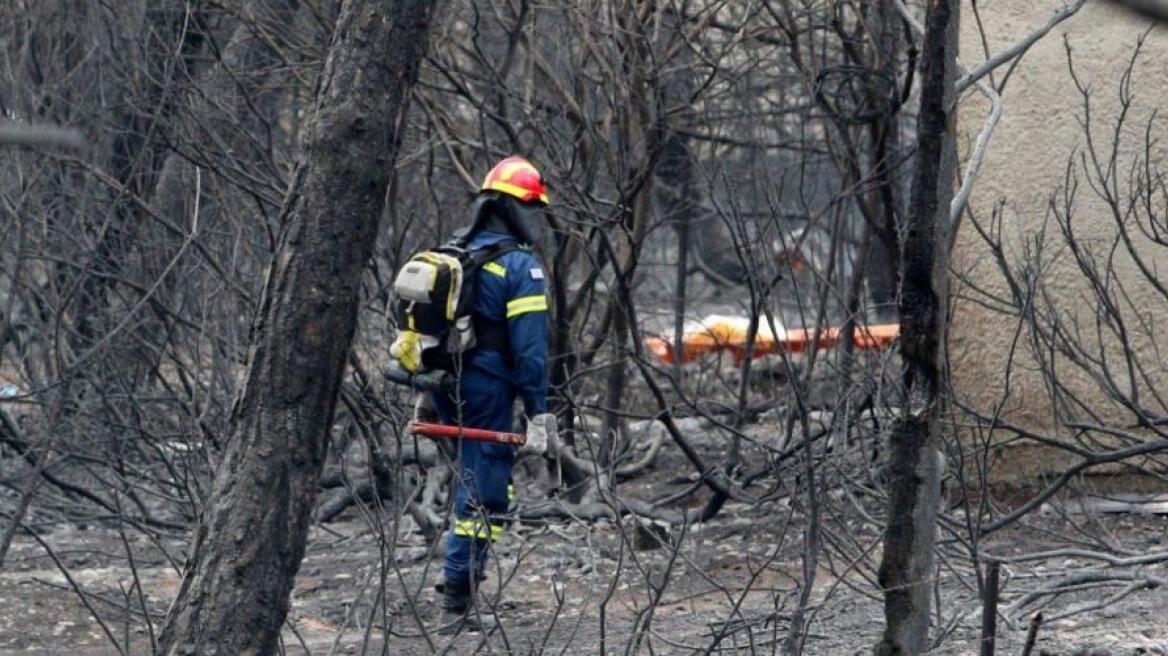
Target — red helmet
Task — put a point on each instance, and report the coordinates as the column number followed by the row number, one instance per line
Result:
column 516, row 177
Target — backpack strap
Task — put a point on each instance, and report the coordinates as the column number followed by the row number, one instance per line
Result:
column 480, row 257
column 491, row 335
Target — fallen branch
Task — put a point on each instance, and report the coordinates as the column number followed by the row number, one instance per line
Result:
column 1107, row 601
column 1082, row 578
column 656, row 441
column 1145, row 559
column 617, row 508
column 364, row 491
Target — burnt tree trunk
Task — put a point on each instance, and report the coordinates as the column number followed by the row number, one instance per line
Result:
column 906, row 568
column 885, row 144
column 245, row 554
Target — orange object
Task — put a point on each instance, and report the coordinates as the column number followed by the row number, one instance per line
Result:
column 724, row 333
column 516, row 177
column 426, row 429
column 877, row 336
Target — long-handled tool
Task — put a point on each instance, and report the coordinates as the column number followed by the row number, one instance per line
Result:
column 477, row 434
column 426, row 381
column 442, row 382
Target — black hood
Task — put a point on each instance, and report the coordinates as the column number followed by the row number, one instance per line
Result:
column 499, row 213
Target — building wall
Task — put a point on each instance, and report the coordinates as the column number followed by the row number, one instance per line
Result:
column 1025, row 168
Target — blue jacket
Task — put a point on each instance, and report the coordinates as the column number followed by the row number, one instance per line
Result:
column 512, row 289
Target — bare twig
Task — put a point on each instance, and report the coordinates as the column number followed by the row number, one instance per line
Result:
column 1020, row 47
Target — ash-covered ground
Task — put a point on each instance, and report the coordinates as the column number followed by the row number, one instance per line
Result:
column 732, row 584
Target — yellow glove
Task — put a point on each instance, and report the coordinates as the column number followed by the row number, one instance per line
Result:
column 407, row 350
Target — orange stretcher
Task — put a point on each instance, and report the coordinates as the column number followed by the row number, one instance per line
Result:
column 724, row 333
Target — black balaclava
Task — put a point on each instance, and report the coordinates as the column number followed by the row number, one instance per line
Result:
column 500, row 213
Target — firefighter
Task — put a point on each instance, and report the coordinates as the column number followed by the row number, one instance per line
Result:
column 509, row 361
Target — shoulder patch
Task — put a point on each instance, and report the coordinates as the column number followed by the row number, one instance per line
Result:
column 537, row 273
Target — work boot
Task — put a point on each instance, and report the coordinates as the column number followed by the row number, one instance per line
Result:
column 440, row 587
column 457, row 600
column 459, row 613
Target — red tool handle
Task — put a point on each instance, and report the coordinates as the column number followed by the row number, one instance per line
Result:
column 477, row 434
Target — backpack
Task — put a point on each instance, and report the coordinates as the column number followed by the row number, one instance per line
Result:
column 434, row 293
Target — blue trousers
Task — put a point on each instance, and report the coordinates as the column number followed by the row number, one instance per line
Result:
column 484, row 471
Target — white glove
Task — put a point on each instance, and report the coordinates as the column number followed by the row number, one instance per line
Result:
column 540, row 429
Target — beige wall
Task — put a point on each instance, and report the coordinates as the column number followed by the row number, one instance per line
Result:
column 1025, row 165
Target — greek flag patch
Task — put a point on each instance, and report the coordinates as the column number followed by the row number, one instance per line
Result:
column 537, row 274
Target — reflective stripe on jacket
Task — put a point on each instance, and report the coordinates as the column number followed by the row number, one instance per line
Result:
column 513, row 289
